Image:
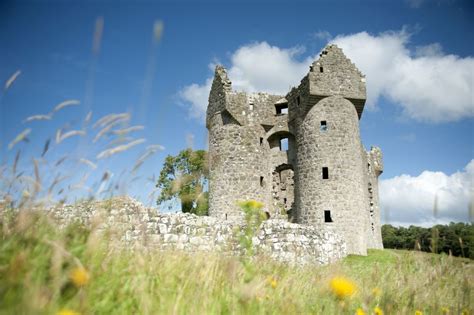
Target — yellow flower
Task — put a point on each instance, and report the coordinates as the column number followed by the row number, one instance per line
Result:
column 376, row 292
column 255, row 204
column 273, row 282
column 67, row 312
column 417, row 312
column 79, row 276
column 378, row 311
column 342, row 287
column 360, row 311
column 445, row 310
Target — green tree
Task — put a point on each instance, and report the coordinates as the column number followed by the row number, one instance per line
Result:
column 185, row 177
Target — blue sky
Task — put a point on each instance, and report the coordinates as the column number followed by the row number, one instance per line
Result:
column 418, row 57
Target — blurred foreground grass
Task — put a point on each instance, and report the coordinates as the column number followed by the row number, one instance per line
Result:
column 44, row 270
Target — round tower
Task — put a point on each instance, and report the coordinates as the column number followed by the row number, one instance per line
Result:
column 330, row 174
column 329, row 183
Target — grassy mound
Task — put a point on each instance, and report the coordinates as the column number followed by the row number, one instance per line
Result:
column 44, row 270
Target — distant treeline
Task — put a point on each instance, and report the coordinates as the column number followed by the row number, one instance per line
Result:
column 455, row 238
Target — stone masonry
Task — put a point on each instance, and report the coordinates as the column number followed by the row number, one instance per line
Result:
column 131, row 225
column 300, row 154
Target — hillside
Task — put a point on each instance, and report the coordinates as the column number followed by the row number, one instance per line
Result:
column 45, row 270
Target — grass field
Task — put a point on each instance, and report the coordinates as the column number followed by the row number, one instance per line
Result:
column 74, row 271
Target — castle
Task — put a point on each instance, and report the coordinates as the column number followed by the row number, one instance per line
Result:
column 300, row 154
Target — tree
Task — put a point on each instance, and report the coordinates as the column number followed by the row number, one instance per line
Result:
column 185, row 177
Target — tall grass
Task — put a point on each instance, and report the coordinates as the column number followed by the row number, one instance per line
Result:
column 40, row 266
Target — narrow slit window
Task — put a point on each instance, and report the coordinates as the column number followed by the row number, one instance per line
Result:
column 324, row 126
column 325, row 173
column 261, row 181
column 327, row 216
column 321, row 69
column 284, row 201
column 261, row 141
column 284, row 144
column 298, row 100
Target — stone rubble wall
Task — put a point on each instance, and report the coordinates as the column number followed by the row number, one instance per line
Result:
column 134, row 225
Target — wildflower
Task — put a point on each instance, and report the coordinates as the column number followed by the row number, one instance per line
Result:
column 67, row 312
column 360, row 311
column 273, row 282
column 378, row 311
column 376, row 292
column 79, row 276
column 417, row 312
column 253, row 204
column 342, row 287
column 445, row 310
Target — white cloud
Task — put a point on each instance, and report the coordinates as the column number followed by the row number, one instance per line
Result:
column 257, row 67
column 415, row 4
column 408, row 200
column 322, row 35
column 428, row 84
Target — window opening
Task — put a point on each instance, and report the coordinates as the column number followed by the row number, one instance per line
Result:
column 298, row 100
column 284, row 201
column 320, row 69
column 261, row 181
column 281, row 109
column 325, row 173
column 324, row 126
column 327, row 216
column 284, row 144
column 261, row 141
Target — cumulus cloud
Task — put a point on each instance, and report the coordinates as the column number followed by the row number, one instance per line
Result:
column 429, row 198
column 428, row 84
column 257, row 67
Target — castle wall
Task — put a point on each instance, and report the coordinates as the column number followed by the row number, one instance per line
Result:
column 247, row 160
column 130, row 225
column 338, row 149
column 375, row 168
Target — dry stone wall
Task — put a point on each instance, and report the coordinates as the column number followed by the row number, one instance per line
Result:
column 134, row 226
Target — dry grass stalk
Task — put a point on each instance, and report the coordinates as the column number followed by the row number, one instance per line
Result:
column 37, row 117
column 60, row 137
column 118, row 149
column 108, row 127
column 88, row 163
column 110, row 118
column 65, row 104
column 124, row 131
column 12, row 79
column 20, row 137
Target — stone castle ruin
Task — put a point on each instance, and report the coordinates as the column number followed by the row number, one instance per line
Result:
column 300, row 154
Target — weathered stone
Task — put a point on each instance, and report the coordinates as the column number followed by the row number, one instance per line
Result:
column 301, row 154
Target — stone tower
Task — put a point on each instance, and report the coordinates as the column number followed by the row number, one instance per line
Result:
column 300, row 154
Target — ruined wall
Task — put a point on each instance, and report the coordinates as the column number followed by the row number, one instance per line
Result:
column 133, row 226
column 375, row 168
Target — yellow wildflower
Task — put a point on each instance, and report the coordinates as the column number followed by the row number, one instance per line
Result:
column 342, row 287
column 67, row 312
column 255, row 204
column 445, row 310
column 360, row 311
column 79, row 276
column 417, row 312
column 376, row 292
column 378, row 311
column 273, row 282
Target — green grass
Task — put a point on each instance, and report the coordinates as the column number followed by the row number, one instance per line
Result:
column 36, row 260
